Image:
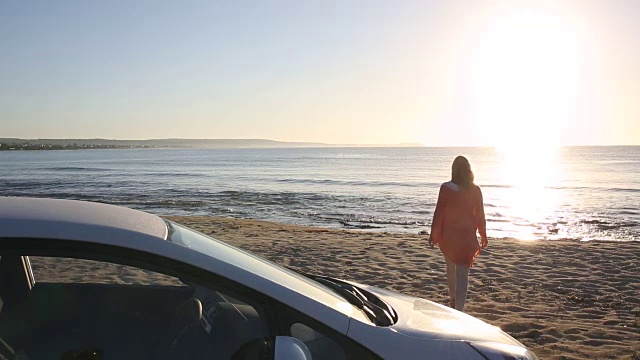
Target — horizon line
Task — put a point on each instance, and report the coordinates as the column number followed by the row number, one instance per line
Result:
column 404, row 144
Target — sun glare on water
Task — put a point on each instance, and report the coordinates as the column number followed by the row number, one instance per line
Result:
column 530, row 174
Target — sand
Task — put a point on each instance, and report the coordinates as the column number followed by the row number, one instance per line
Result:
column 564, row 300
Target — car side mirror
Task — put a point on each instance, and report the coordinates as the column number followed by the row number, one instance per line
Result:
column 290, row 348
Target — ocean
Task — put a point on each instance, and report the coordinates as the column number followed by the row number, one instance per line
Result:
column 577, row 193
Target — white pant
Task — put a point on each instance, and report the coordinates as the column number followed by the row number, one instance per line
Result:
column 458, row 281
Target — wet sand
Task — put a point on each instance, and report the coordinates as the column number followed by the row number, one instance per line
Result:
column 564, row 300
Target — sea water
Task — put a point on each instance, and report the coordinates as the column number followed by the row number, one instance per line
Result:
column 582, row 193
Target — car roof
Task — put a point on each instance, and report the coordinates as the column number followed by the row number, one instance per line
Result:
column 70, row 219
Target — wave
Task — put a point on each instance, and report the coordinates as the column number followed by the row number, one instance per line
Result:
column 77, row 168
column 359, row 183
column 623, row 190
column 569, row 188
column 426, row 184
column 496, row 186
column 605, row 225
column 498, row 220
column 591, row 188
column 355, row 220
column 161, row 203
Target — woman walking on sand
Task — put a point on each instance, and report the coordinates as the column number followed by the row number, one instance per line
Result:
column 459, row 214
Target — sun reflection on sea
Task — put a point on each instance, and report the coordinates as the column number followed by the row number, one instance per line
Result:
column 530, row 173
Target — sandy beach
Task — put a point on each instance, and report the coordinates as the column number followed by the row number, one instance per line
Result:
column 564, row 300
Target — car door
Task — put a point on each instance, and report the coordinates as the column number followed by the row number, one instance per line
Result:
column 113, row 302
column 100, row 301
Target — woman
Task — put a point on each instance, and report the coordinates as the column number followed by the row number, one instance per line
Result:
column 459, row 214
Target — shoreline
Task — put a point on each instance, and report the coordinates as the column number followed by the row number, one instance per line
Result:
column 564, row 299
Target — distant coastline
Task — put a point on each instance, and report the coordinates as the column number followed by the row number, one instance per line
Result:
column 36, row 147
column 15, row 144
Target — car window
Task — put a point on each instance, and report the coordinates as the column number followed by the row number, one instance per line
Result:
column 82, row 308
column 72, row 270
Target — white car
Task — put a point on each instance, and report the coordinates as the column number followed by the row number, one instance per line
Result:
column 225, row 303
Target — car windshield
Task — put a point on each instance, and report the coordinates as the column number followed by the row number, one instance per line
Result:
column 222, row 251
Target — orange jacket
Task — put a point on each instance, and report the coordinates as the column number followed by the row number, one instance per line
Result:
column 459, row 214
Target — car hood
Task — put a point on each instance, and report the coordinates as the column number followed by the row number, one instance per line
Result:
column 422, row 318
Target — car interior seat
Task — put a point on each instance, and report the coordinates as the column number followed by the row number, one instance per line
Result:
column 187, row 332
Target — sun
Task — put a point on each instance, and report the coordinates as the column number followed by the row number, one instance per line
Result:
column 524, row 79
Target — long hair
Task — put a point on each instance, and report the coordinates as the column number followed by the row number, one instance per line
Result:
column 461, row 173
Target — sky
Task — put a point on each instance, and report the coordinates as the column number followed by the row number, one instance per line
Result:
column 440, row 73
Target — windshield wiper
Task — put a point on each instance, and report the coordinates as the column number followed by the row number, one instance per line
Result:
column 378, row 311
column 348, row 295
